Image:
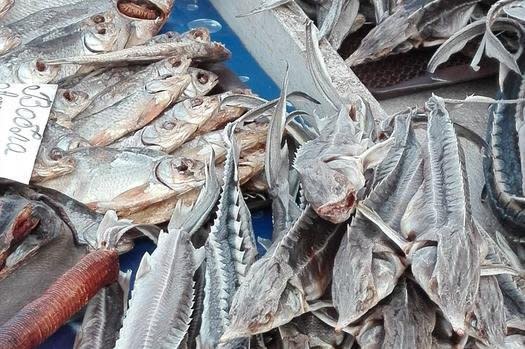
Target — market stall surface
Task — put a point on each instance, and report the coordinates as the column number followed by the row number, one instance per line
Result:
column 186, row 15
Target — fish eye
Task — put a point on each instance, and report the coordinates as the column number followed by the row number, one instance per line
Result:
column 176, row 63
column 203, row 78
column 195, row 102
column 182, row 167
column 98, row 19
column 56, row 154
column 170, row 35
column 168, row 125
column 40, row 66
column 68, row 96
column 101, row 30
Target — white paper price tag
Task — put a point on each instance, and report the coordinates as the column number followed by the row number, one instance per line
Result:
column 24, row 111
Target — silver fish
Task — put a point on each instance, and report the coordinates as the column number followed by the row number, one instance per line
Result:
column 175, row 126
column 196, row 50
column 131, row 113
column 27, row 65
column 22, row 8
column 123, row 88
column 126, row 180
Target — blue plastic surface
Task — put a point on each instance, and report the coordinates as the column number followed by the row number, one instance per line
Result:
column 242, row 64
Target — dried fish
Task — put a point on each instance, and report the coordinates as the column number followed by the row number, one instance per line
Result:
column 131, row 113
column 126, row 180
column 367, row 265
column 227, row 249
column 293, row 272
column 161, row 306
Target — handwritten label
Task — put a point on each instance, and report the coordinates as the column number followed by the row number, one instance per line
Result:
column 24, row 111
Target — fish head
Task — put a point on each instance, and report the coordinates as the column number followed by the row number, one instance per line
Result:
column 168, row 87
column 198, row 34
column 52, row 163
column 103, row 36
column 202, row 82
column 330, row 183
column 264, row 301
column 181, row 173
column 173, row 66
column 147, row 17
column 217, row 52
column 69, row 102
column 8, row 39
column 196, row 110
column 37, row 72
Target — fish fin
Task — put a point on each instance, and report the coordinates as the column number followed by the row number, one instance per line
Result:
column 499, row 269
column 374, row 155
column 124, row 280
column 144, row 266
column 265, row 243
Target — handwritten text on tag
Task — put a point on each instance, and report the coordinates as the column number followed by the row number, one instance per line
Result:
column 24, row 111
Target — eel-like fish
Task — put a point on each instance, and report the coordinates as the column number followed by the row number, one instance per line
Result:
column 503, row 170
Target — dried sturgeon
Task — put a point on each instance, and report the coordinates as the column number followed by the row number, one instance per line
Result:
column 226, row 251
column 368, row 265
column 332, row 167
column 504, row 170
column 160, row 308
column 293, row 272
column 405, row 320
column 447, row 266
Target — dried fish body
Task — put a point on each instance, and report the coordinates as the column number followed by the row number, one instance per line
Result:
column 293, row 272
column 226, row 262
column 131, row 113
column 250, row 136
column 504, row 170
column 22, row 9
column 126, row 180
column 56, row 22
column 27, row 65
column 114, row 93
column 175, row 126
column 102, row 319
column 161, row 303
column 52, row 160
column 416, row 21
column 318, row 334
column 345, row 24
column 250, row 165
column 404, row 320
column 367, row 264
column 449, row 272
column 196, row 50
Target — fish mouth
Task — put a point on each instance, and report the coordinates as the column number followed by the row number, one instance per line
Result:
column 338, row 212
column 140, row 9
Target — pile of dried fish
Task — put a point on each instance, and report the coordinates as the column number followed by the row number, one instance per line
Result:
column 398, row 26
